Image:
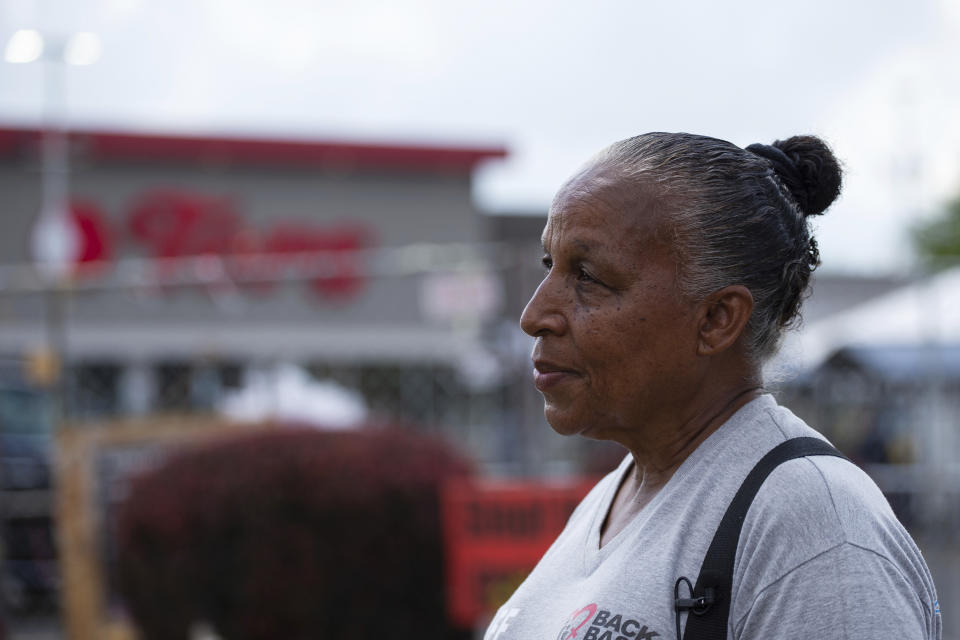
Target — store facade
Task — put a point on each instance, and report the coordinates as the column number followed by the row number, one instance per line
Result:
column 201, row 257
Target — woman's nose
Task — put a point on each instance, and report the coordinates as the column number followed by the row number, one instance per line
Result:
column 543, row 315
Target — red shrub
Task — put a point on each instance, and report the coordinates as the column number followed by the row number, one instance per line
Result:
column 290, row 534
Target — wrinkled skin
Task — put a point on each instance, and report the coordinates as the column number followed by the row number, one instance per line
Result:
column 620, row 354
column 609, row 313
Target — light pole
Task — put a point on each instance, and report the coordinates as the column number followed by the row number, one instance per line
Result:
column 54, row 241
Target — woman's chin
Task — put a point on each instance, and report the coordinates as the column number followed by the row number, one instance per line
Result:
column 587, row 424
column 562, row 421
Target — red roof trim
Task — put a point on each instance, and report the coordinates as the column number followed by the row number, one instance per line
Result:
column 111, row 146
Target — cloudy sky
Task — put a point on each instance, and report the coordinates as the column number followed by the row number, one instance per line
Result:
column 553, row 81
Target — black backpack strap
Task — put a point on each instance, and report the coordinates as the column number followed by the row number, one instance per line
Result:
column 709, row 604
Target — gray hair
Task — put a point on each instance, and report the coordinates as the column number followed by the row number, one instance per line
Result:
column 736, row 216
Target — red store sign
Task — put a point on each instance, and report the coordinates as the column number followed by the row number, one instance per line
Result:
column 169, row 224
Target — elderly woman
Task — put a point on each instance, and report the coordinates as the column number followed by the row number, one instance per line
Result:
column 673, row 262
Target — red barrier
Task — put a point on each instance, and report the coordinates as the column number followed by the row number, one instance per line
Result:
column 495, row 533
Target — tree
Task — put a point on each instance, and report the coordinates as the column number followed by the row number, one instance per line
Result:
column 938, row 241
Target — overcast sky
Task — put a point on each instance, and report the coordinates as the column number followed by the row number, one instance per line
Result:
column 552, row 81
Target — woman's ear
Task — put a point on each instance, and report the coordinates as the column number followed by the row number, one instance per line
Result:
column 724, row 315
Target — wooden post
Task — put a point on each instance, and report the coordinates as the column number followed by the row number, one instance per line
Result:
column 79, row 525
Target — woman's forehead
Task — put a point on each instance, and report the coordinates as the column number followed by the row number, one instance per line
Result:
column 591, row 212
column 593, row 181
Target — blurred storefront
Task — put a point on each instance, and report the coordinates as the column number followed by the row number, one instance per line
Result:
column 204, row 265
column 296, row 241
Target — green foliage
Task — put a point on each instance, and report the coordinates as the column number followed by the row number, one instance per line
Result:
column 938, row 241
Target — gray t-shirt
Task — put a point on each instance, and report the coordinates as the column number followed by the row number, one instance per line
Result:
column 821, row 554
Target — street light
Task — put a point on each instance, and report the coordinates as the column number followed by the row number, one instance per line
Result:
column 55, row 240
column 82, row 49
column 26, row 45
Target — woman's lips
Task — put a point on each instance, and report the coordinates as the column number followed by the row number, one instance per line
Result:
column 546, row 375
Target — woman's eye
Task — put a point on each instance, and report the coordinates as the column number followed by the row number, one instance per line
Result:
column 547, row 263
column 584, row 276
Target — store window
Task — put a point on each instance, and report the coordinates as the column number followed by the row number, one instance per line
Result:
column 93, row 390
column 174, row 382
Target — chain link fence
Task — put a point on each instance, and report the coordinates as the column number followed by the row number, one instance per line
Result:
column 290, row 339
column 202, row 338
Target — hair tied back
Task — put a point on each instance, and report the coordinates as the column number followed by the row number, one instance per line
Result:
column 807, row 167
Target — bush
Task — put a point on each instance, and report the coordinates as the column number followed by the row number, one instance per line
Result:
column 290, row 534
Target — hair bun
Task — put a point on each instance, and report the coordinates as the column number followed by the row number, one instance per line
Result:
column 807, row 167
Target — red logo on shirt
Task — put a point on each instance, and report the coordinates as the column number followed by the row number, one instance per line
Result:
column 576, row 621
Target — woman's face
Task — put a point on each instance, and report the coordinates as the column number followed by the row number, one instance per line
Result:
column 615, row 346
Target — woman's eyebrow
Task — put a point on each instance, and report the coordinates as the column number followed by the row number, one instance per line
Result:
column 581, row 247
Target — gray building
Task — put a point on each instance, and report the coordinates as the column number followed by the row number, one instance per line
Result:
column 315, row 252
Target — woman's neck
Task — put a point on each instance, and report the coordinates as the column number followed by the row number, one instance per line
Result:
column 654, row 466
column 656, row 459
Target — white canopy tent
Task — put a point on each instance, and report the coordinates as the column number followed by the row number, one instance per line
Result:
column 926, row 312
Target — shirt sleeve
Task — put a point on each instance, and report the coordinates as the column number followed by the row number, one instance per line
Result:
column 847, row 593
